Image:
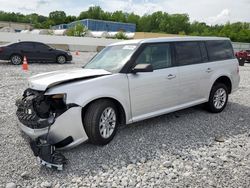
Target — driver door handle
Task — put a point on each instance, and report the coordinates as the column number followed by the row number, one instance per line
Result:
column 171, row 76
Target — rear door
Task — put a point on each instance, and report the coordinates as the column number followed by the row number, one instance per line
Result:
column 27, row 49
column 191, row 57
column 152, row 93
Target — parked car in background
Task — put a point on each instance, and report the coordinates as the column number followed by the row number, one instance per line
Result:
column 243, row 56
column 34, row 52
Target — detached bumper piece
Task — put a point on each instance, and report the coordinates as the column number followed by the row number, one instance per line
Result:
column 47, row 155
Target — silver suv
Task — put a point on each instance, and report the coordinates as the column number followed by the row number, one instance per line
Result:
column 128, row 82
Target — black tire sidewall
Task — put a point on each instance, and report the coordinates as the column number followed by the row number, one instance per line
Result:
column 211, row 106
column 241, row 62
column 92, row 126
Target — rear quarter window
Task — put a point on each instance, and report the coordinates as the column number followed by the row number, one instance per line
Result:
column 219, row 50
column 26, row 45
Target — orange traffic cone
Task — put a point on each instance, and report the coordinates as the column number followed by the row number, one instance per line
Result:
column 25, row 64
column 77, row 52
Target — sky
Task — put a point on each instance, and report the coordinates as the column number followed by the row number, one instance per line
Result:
column 209, row 11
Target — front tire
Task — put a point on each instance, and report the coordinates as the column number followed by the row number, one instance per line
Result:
column 61, row 59
column 100, row 122
column 16, row 59
column 218, row 98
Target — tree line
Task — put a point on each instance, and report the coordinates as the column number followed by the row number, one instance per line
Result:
column 160, row 22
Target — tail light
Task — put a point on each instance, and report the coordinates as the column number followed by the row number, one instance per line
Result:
column 1, row 49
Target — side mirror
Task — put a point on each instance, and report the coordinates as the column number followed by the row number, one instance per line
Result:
column 142, row 68
column 50, row 49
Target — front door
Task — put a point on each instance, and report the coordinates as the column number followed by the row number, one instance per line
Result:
column 152, row 93
column 44, row 53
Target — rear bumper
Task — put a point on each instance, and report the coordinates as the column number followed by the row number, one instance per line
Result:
column 68, row 124
column 4, row 57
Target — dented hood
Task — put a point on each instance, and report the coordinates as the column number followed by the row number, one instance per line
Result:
column 46, row 80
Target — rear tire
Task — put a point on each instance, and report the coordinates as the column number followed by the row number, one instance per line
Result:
column 241, row 62
column 61, row 59
column 100, row 122
column 218, row 98
column 16, row 59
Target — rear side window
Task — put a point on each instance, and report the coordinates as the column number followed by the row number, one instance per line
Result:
column 158, row 55
column 26, row 45
column 188, row 53
column 219, row 50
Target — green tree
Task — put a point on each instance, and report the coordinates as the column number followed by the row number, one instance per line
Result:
column 133, row 18
column 144, row 23
column 58, row 17
column 95, row 12
column 178, row 23
column 70, row 19
column 47, row 24
column 121, row 35
column 155, row 21
column 118, row 16
column 79, row 30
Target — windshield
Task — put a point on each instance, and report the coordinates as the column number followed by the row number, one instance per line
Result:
column 112, row 58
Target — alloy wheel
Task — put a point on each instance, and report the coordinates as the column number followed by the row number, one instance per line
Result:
column 107, row 122
column 61, row 59
column 16, row 60
column 219, row 99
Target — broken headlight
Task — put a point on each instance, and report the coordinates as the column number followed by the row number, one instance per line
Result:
column 61, row 96
column 55, row 104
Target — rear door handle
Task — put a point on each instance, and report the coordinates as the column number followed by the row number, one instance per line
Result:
column 209, row 70
column 171, row 76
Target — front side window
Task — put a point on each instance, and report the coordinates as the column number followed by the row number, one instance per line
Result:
column 219, row 50
column 158, row 55
column 112, row 58
column 188, row 53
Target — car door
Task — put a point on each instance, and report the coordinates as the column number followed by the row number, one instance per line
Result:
column 152, row 93
column 27, row 49
column 44, row 52
column 191, row 57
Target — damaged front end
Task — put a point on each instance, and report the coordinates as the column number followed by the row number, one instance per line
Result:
column 37, row 111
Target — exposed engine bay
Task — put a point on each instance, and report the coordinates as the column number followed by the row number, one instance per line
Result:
column 37, row 111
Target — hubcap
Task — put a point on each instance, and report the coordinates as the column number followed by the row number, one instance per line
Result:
column 219, row 99
column 61, row 59
column 16, row 60
column 107, row 122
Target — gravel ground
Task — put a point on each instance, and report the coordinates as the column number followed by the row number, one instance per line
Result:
column 188, row 148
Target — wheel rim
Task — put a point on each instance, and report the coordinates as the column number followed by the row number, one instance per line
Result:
column 16, row 60
column 219, row 99
column 61, row 59
column 107, row 122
